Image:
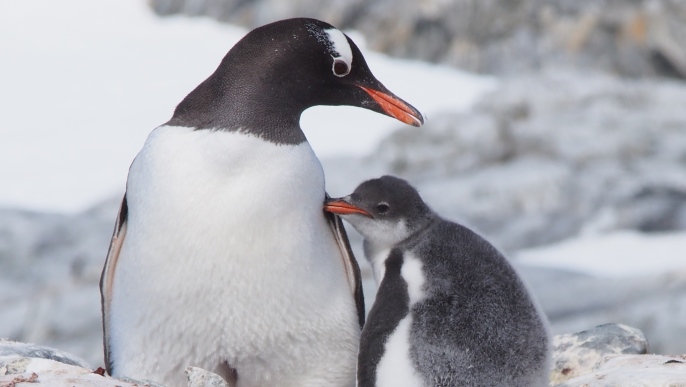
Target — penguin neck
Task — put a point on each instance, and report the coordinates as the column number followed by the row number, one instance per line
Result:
column 418, row 231
column 377, row 250
column 237, row 99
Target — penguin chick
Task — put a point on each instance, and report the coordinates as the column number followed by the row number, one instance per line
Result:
column 450, row 310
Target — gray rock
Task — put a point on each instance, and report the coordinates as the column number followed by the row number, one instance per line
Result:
column 634, row 370
column 15, row 369
column 27, row 363
column 632, row 38
column 198, row 377
column 653, row 304
column 596, row 357
column 580, row 353
column 26, row 350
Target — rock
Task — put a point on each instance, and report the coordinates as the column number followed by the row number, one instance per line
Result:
column 24, row 350
column 19, row 369
column 29, row 363
column 634, row 370
column 653, row 304
column 52, row 367
column 607, row 355
column 631, row 38
column 612, row 355
column 578, row 354
column 198, row 377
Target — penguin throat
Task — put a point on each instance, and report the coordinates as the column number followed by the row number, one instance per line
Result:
column 241, row 105
column 281, row 128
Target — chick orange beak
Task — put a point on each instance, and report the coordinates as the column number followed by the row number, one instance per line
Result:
column 341, row 207
column 395, row 107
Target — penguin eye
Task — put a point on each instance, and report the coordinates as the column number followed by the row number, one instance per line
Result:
column 382, row 208
column 340, row 68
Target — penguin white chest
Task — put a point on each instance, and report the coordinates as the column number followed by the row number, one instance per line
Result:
column 228, row 256
column 395, row 368
column 228, row 200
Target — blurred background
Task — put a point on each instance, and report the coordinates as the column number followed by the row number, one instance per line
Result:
column 556, row 128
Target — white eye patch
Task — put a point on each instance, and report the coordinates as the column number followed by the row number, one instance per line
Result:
column 339, row 43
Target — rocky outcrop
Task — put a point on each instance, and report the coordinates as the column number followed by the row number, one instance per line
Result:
column 30, row 363
column 576, row 354
column 607, row 355
column 18, row 369
column 612, row 355
column 633, row 38
column 198, row 377
column 634, row 370
column 652, row 303
column 28, row 368
column 24, row 350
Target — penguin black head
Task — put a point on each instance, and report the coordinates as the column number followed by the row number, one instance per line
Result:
column 385, row 211
column 276, row 71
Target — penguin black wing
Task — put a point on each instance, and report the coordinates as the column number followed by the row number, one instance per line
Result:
column 108, row 275
column 352, row 269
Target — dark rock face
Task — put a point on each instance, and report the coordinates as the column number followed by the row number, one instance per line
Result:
column 632, row 38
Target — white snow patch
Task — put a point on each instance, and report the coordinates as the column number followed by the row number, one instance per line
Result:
column 618, row 254
column 84, row 83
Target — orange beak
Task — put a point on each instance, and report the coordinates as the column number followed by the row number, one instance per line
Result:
column 395, row 107
column 341, row 207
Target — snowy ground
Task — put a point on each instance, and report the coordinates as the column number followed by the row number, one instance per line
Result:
column 83, row 83
column 619, row 254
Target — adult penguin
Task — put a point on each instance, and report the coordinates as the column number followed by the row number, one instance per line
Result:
column 221, row 256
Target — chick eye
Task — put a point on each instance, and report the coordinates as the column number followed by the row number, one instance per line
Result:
column 340, row 68
column 382, row 208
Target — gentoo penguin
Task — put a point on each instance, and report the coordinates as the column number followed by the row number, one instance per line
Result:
column 222, row 257
column 450, row 310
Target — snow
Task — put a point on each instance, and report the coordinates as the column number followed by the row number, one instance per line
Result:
column 82, row 83
column 618, row 254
